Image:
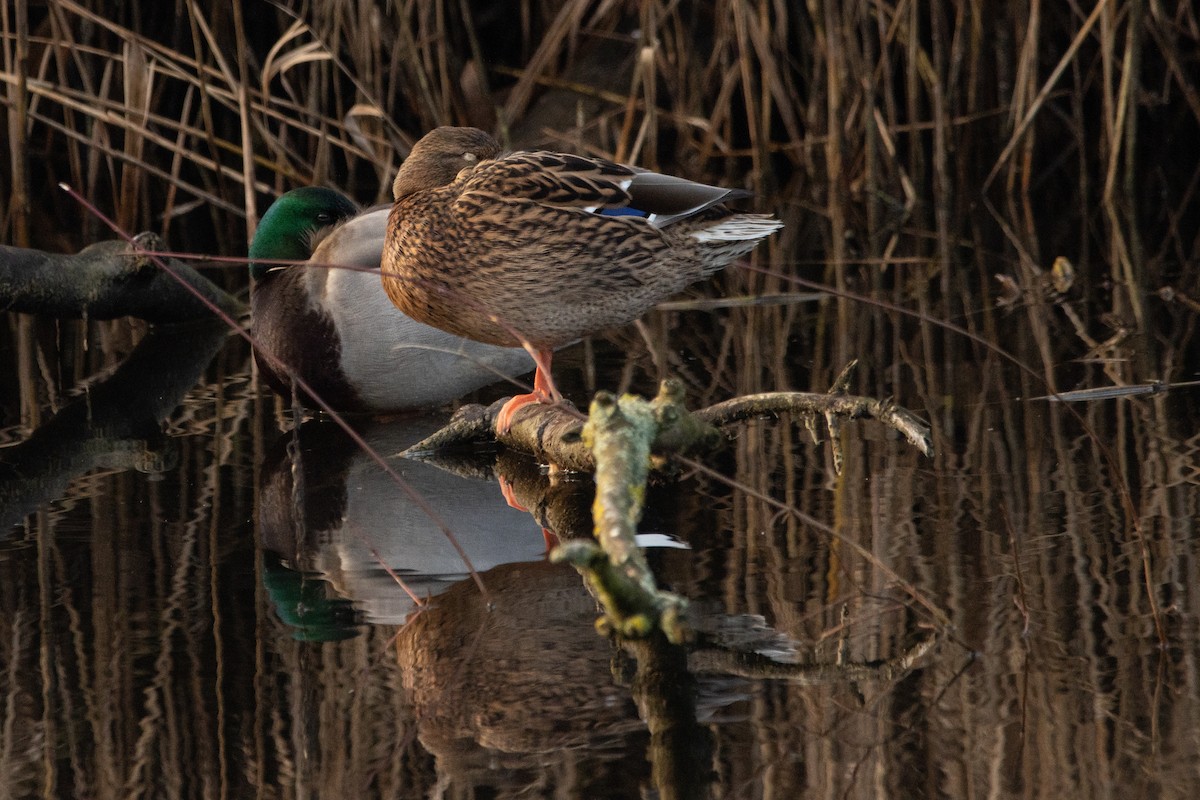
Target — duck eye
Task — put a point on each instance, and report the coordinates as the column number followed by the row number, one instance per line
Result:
column 324, row 217
column 470, row 158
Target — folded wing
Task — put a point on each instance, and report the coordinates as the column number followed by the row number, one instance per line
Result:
column 593, row 185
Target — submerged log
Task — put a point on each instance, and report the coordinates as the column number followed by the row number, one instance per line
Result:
column 107, row 280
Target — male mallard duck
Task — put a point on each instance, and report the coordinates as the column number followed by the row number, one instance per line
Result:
column 539, row 248
column 337, row 330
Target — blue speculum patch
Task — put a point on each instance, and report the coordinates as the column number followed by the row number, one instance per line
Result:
column 624, row 211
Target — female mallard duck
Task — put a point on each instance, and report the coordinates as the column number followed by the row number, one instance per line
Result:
column 336, row 330
column 539, row 248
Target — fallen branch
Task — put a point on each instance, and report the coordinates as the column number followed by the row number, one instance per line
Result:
column 553, row 435
column 842, row 406
column 106, row 280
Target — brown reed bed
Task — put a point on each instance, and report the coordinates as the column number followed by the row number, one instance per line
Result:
column 916, row 150
column 880, row 127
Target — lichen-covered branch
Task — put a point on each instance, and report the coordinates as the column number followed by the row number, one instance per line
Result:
column 621, row 442
column 620, row 434
column 105, row 281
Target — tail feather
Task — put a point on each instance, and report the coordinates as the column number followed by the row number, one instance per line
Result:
column 738, row 228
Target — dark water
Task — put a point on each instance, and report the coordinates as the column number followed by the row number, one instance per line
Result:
column 202, row 600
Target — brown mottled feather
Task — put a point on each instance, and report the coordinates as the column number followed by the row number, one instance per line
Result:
column 553, row 178
column 490, row 246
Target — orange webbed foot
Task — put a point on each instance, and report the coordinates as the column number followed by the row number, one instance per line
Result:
column 544, row 391
column 504, row 419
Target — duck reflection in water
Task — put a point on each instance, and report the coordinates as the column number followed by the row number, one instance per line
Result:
column 504, row 683
column 331, row 515
column 330, row 512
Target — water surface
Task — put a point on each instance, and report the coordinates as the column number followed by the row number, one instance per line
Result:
column 216, row 605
